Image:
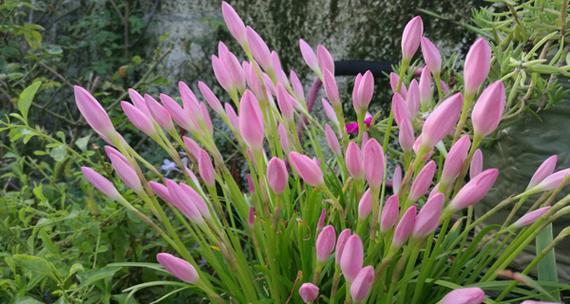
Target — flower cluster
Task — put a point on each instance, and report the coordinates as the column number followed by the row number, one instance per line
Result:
column 405, row 239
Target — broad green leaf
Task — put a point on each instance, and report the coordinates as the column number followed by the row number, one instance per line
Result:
column 27, row 97
column 58, row 153
column 88, row 278
column 82, row 142
column 37, row 265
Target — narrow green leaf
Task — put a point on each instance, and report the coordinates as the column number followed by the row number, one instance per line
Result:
column 26, row 98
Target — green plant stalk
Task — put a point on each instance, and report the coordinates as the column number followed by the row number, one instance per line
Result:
column 547, row 269
column 467, row 103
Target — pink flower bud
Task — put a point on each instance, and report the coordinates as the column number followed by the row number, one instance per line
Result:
column 206, row 169
column 402, row 117
column 489, row 108
column 425, row 87
column 297, row 85
column 332, row 140
column 374, row 164
column 161, row 191
column 112, row 151
column 351, row 128
column 411, row 37
column 477, row 65
column 126, row 173
column 422, row 182
column 545, row 169
column 283, row 137
column 286, row 102
column 308, row 292
column 474, row 190
column 183, row 200
column 234, row 23
column 362, row 92
column 352, row 257
column 101, row 183
column 404, row 227
column 390, row 213
column 365, row 205
column 531, row 217
column 139, row 119
column 538, row 302
column 93, row 113
column 397, row 179
column 325, row 59
column 251, row 124
column 308, row 169
column 432, row 58
column 211, row 98
column 259, row 49
column 553, row 181
column 139, row 102
column 309, row 55
column 232, row 115
column 472, row 295
column 353, row 158
column 413, row 98
column 178, row 267
column 362, row 284
column 222, row 74
column 442, row 120
column 329, row 111
column 340, row 243
column 331, row 89
column 429, row 217
column 192, row 146
column 325, row 243
column 476, row 165
column 277, row 175
column 394, row 79
column 159, row 113
column 181, row 116
column 455, row 159
column 322, row 218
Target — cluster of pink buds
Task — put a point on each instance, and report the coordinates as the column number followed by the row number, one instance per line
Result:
column 277, row 238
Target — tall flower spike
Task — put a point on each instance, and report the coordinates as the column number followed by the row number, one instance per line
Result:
column 340, row 243
column 251, row 121
column 139, row 119
column 277, row 175
column 477, row 66
column 390, row 213
column 332, row 140
column 259, row 49
column 325, row 243
column 404, row 227
column 531, row 217
column 325, row 59
column 489, row 108
column 455, row 159
column 309, row 56
column 425, row 87
column 362, row 284
column 472, row 295
column 429, row 217
column 365, row 205
column 373, row 157
column 353, row 158
column 545, row 169
column 234, row 23
column 352, row 257
column 442, row 120
column 422, row 182
column 93, row 113
column 178, row 267
column 411, row 37
column 101, row 183
column 308, row 292
column 127, row 174
column 307, row 168
column 474, row 190
column 431, row 55
column 159, row 113
column 476, row 165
